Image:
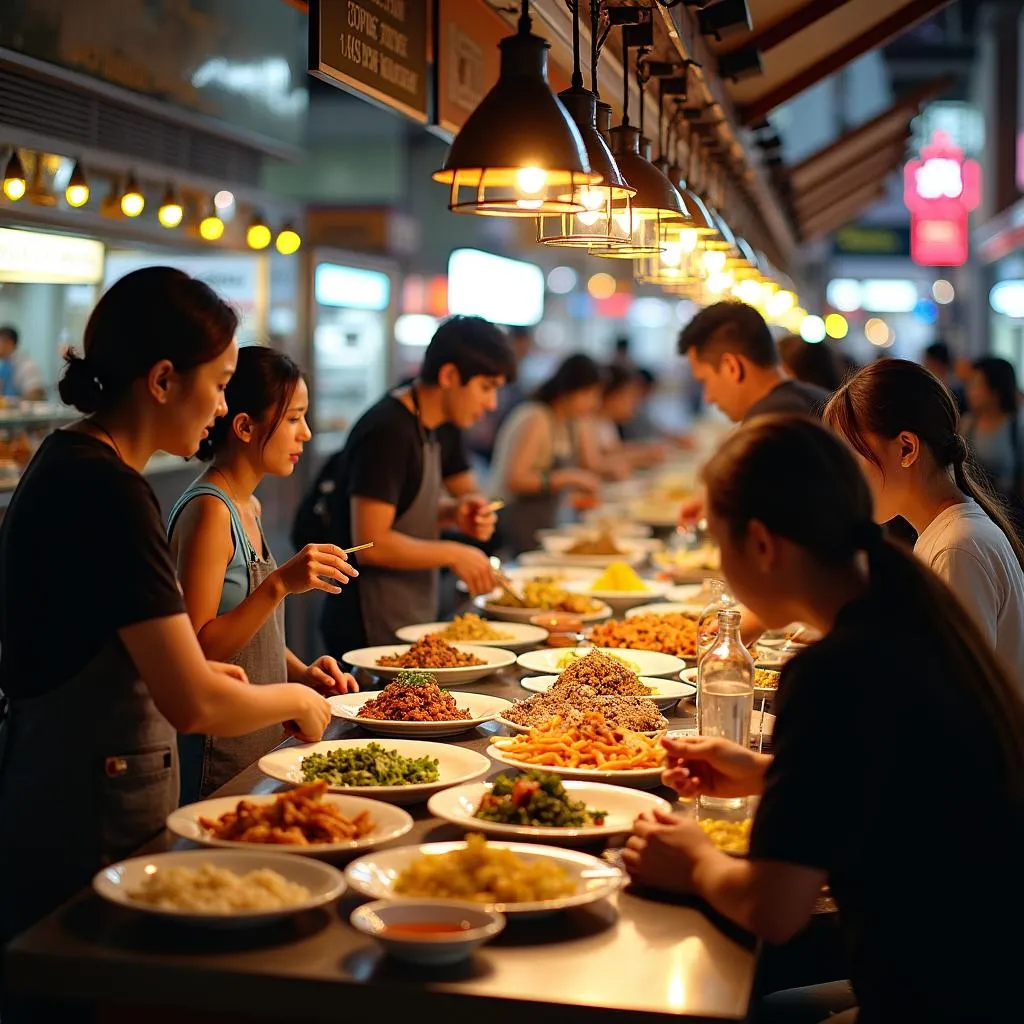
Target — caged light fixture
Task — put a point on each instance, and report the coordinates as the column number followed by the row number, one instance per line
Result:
column 519, row 154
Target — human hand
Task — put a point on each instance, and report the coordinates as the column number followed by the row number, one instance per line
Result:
column 314, row 568
column 235, row 672
column 663, row 850
column 325, row 676
column 311, row 716
column 475, row 518
column 711, row 766
column 576, row 479
column 473, row 567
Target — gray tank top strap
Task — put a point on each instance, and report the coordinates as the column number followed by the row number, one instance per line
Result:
column 241, row 538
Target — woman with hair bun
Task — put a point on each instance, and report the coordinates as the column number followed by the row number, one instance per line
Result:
column 234, row 591
column 902, row 424
column 99, row 663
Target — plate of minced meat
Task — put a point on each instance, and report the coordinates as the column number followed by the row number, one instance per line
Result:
column 450, row 664
column 414, row 705
column 573, row 701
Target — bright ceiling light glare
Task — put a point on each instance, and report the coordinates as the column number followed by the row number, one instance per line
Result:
column 601, row 286
column 719, row 283
column 132, row 200
column 812, row 329
column 714, row 260
column 15, row 184
column 780, row 303
column 257, row 234
column 288, row 241
column 836, row 326
column 171, row 211
column 562, row 280
column 211, row 227
column 77, row 193
column 748, row 291
column 943, row 292
column 224, row 199
column 878, row 333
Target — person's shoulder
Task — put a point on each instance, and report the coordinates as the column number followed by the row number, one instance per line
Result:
column 388, row 418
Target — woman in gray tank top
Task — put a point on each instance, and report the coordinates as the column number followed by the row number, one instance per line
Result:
column 233, row 588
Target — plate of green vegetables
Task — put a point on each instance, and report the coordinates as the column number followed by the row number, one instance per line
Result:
column 396, row 771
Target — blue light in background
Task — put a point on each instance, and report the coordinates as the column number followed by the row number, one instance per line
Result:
column 926, row 312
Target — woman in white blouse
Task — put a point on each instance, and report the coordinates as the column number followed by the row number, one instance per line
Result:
column 902, row 423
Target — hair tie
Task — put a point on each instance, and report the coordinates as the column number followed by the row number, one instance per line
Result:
column 867, row 536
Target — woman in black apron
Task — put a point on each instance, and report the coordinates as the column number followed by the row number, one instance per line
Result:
column 234, row 590
column 98, row 660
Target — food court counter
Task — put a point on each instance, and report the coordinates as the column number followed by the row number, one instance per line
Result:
column 630, row 958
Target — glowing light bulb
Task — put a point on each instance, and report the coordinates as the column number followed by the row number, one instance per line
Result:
column 588, row 218
column 132, row 200
column 77, row 195
column 672, row 256
column 748, row 291
column 288, row 241
column 171, row 211
column 211, row 228
column 624, row 221
column 529, row 204
column 719, row 282
column 781, row 302
column 258, row 235
column 688, row 239
column 593, row 198
column 714, row 261
column 531, row 180
column 15, row 185
column 836, row 326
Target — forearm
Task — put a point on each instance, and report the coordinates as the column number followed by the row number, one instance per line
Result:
column 226, row 707
column 447, row 509
column 394, row 550
column 223, row 637
column 296, row 667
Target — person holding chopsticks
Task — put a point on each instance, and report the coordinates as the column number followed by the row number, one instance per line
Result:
column 99, row 662
column 898, row 774
column 234, row 590
column 393, row 486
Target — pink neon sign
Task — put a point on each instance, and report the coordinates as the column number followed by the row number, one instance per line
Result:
column 940, row 190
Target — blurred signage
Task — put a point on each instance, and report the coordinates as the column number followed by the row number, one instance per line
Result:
column 352, row 287
column 233, row 60
column 468, row 59
column 34, row 257
column 862, row 240
column 503, row 291
column 940, row 190
column 374, row 48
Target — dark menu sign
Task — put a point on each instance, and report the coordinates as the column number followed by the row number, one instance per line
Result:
column 375, row 48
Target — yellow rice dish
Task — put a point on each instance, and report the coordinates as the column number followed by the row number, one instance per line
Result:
column 482, row 874
column 619, row 577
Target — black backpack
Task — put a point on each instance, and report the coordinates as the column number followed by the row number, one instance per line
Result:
column 315, row 519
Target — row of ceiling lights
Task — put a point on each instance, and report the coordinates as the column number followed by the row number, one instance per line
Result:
column 526, row 153
column 131, row 202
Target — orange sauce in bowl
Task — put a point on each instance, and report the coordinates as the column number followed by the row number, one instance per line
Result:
column 426, row 928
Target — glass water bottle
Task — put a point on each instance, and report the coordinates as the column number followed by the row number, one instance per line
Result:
column 725, row 685
column 707, row 624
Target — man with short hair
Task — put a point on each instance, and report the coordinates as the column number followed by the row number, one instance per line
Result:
column 20, row 375
column 734, row 358
column 394, row 485
column 938, row 359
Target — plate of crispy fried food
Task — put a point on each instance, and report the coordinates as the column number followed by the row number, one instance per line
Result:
column 592, row 750
column 306, row 820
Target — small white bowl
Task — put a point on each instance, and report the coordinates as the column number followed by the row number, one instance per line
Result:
column 375, row 918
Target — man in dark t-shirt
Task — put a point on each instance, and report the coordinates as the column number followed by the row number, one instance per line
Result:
column 733, row 357
column 403, row 477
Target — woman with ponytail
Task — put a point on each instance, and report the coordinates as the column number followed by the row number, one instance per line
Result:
column 898, row 773
column 233, row 588
column 902, row 424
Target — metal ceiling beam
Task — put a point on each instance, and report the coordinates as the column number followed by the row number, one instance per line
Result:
column 879, row 168
column 789, row 25
column 877, row 35
column 836, row 217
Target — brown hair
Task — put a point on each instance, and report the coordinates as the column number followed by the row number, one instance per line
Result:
column 148, row 315
column 802, row 483
column 894, row 395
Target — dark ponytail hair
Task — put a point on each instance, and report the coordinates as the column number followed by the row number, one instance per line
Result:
column 148, row 315
column 802, row 483
column 575, row 373
column 888, row 397
column 263, row 383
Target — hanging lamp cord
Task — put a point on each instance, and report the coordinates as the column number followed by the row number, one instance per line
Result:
column 577, row 75
column 524, row 18
column 641, row 80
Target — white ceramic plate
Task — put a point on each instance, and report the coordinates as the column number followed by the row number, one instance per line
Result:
column 508, row 613
column 325, row 884
column 622, row 806
column 662, row 608
column 685, row 594
column 520, row 635
column 494, row 658
column 622, row 600
column 481, row 707
column 667, row 692
column 634, row 558
column 455, row 765
column 375, row 874
column 390, row 822
column 644, row 663
column 638, row 778
column 689, row 676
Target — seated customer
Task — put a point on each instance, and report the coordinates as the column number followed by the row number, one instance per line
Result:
column 535, row 454
column 901, row 423
column 862, row 792
column 392, row 486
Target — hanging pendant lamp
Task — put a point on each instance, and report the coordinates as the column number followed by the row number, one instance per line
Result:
column 605, row 218
column 657, row 201
column 519, row 154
